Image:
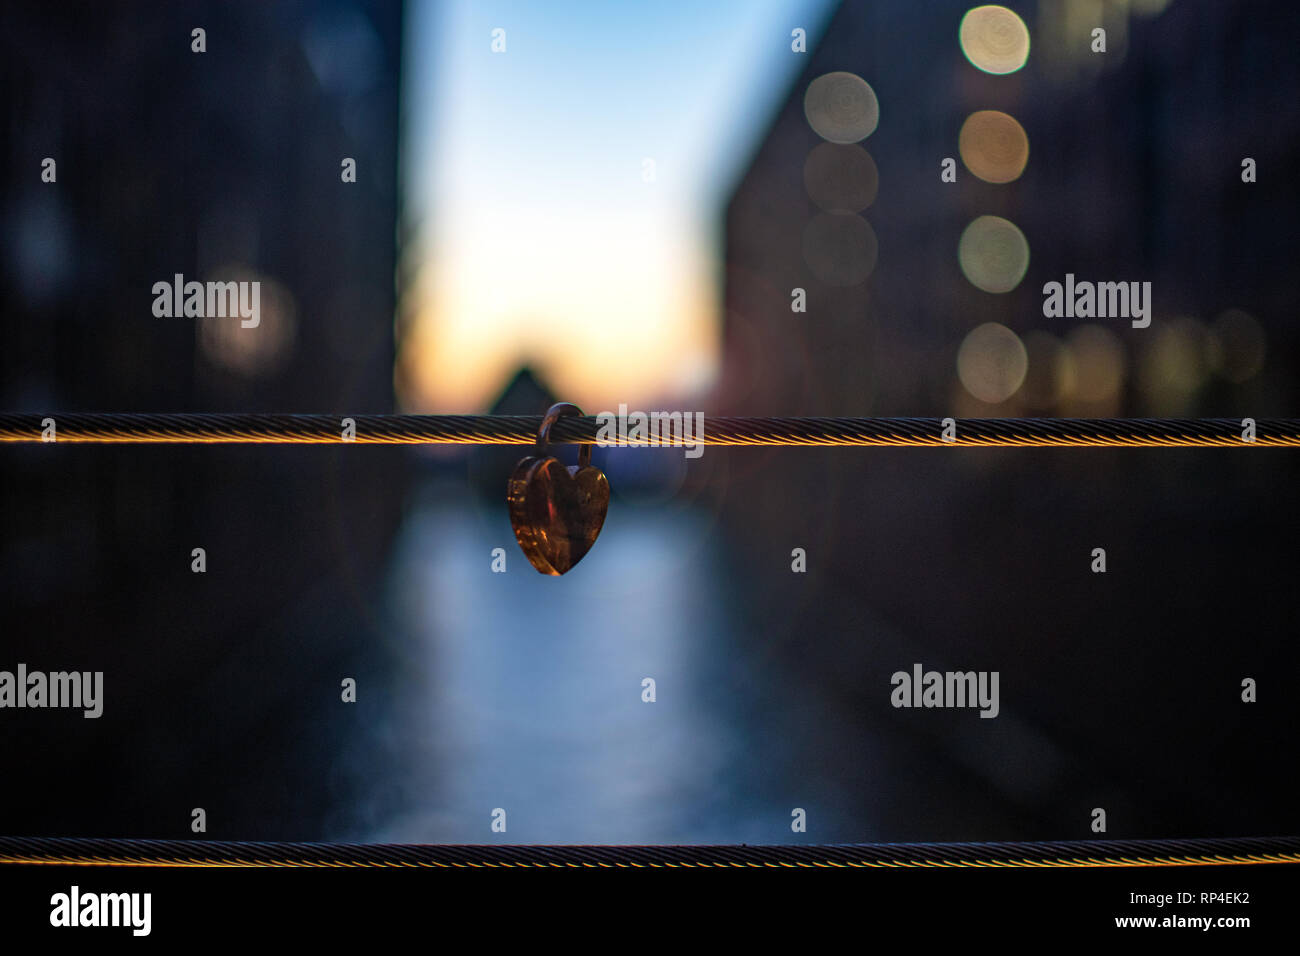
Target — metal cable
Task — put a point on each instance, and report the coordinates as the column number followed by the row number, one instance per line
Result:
column 522, row 430
column 1202, row 852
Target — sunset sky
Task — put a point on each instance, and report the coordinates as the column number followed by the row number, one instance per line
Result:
column 536, row 237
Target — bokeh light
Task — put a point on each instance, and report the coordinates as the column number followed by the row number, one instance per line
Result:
column 1236, row 347
column 840, row 248
column 994, row 39
column 841, row 107
column 1172, row 367
column 251, row 352
column 993, row 254
column 841, row 177
column 993, row 146
column 992, row 362
column 1095, row 369
column 1049, row 374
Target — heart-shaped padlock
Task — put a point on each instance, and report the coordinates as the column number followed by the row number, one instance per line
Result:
column 556, row 511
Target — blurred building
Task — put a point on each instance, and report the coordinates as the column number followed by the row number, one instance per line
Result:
column 1133, row 171
column 1120, row 690
column 222, row 165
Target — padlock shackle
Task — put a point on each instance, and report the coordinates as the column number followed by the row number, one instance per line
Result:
column 554, row 414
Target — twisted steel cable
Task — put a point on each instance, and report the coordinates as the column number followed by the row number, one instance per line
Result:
column 101, row 427
column 204, row 853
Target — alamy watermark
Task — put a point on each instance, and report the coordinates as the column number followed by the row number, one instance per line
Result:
column 75, row 908
column 36, row 689
column 946, row 689
column 644, row 429
column 1098, row 300
column 211, row 300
